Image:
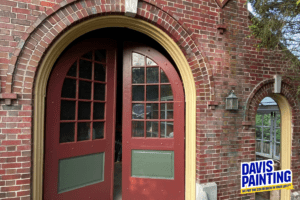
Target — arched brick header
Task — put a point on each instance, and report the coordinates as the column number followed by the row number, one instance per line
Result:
column 48, row 27
column 264, row 89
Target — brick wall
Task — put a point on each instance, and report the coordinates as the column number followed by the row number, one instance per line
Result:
column 219, row 62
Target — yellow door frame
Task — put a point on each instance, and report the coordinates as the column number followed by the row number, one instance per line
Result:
column 286, row 137
column 104, row 22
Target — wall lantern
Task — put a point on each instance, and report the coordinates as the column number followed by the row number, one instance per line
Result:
column 232, row 102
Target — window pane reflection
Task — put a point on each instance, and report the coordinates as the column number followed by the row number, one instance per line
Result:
column 67, row 131
column 83, row 131
column 166, row 130
column 98, row 130
column 138, row 75
column 137, row 129
column 152, row 129
column 138, row 111
column 166, row 93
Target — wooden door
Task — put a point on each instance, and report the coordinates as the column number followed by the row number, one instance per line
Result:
column 153, row 126
column 80, row 123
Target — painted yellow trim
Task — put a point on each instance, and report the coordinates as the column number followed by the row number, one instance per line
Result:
column 143, row 27
column 286, row 137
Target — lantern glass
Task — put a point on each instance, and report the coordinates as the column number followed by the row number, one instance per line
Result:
column 232, row 102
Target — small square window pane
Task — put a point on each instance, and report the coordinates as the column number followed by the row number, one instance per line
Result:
column 166, row 93
column 100, row 55
column 138, row 75
column 137, row 93
column 163, row 77
column 266, row 147
column 67, row 131
column 99, row 91
column 258, row 146
column 138, row 59
column 88, row 55
column 152, row 110
column 100, row 72
column 278, row 149
column 84, row 110
column 67, row 110
column 166, row 111
column 85, row 90
column 267, row 134
column 83, row 131
column 278, row 134
column 152, row 92
column 267, row 119
column 73, row 70
column 258, row 133
column 152, row 75
column 138, row 111
column 258, row 120
column 85, row 69
column 166, row 130
column 69, row 88
column 137, row 129
column 152, row 129
column 278, row 118
column 98, row 130
column 99, row 110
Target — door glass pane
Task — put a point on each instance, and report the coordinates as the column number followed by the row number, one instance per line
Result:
column 69, row 88
column 100, row 55
column 152, row 129
column 278, row 120
column 67, row 131
column 67, row 110
column 152, row 92
column 138, row 75
column 278, row 134
column 84, row 110
column 166, row 130
column 266, row 147
column 137, row 93
column 152, row 110
column 267, row 119
column 88, row 55
column 258, row 146
column 166, row 93
column 73, row 70
column 85, row 69
column 138, row 59
column 166, row 111
column 152, row 75
column 277, row 149
column 267, row 134
column 163, row 77
column 99, row 110
column 83, row 131
column 85, row 90
column 137, row 129
column 99, row 91
column 258, row 133
column 100, row 72
column 150, row 62
column 138, row 111
column 258, row 120
column 98, row 130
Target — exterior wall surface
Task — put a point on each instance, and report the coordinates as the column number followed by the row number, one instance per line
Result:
column 220, row 62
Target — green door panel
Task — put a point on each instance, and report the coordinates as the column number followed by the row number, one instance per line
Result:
column 152, row 164
column 80, row 171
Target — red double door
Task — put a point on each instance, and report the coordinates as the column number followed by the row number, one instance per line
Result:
column 80, row 124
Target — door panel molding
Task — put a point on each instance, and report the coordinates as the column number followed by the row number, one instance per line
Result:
column 104, row 22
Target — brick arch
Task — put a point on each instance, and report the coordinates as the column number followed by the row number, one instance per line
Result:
column 264, row 89
column 50, row 25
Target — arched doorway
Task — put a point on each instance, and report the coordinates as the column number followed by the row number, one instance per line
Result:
column 268, row 139
column 80, row 121
column 135, row 24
